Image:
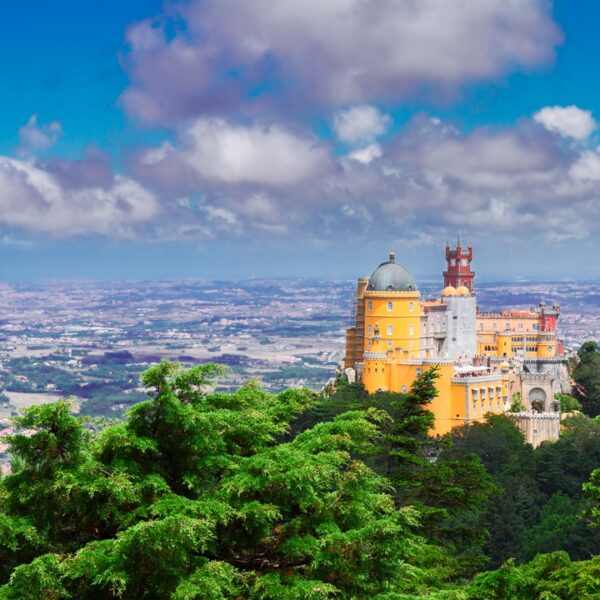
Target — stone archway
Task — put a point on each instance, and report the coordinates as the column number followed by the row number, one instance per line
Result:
column 536, row 399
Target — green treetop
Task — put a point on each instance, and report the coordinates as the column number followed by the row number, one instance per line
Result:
column 196, row 496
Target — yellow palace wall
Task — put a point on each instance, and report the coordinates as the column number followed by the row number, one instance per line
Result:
column 398, row 316
column 458, row 401
column 507, row 343
column 497, row 322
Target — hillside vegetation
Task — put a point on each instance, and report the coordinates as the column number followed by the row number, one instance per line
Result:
column 204, row 495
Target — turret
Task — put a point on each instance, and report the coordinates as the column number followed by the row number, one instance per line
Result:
column 548, row 316
column 458, row 271
column 375, row 375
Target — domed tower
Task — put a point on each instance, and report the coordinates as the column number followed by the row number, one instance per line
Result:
column 392, row 305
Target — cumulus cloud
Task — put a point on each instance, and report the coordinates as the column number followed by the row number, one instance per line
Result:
column 367, row 154
column 431, row 179
column 35, row 200
column 362, row 123
column 37, row 137
column 567, row 121
column 586, row 167
column 236, row 55
column 216, row 151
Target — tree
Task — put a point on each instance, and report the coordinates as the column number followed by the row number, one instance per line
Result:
column 509, row 460
column 561, row 528
column 546, row 576
column 516, row 405
column 196, row 495
column 453, row 496
column 587, row 378
column 567, row 402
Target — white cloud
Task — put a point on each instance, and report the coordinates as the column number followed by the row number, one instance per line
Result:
column 332, row 52
column 568, row 121
column 362, row 123
column 367, row 155
column 431, row 177
column 34, row 200
column 216, row 150
column 586, row 167
column 34, row 137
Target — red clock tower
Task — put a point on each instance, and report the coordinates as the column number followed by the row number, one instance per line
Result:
column 459, row 267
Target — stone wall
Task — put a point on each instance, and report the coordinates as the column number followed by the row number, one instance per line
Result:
column 557, row 368
column 538, row 427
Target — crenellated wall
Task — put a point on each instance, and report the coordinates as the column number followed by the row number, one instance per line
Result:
column 538, row 427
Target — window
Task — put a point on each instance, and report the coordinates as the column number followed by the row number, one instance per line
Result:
column 389, row 343
column 390, row 306
column 520, row 325
column 370, row 342
column 389, row 330
column 452, row 262
column 404, row 389
column 419, row 371
column 411, row 306
column 464, row 262
column 495, row 325
column 370, row 328
column 482, row 394
column 506, row 326
column 369, row 305
column 411, row 330
column 480, row 325
column 411, row 343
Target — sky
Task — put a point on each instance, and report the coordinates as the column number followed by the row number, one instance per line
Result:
column 226, row 139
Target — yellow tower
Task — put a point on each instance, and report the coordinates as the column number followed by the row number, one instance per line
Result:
column 376, row 371
column 393, row 309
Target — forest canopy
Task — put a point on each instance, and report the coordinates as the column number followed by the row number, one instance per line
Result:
column 205, row 495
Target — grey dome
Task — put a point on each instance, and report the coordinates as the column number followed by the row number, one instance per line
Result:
column 390, row 277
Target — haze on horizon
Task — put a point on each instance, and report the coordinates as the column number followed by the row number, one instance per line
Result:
column 225, row 139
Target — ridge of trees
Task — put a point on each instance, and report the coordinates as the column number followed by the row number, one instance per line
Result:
column 205, row 495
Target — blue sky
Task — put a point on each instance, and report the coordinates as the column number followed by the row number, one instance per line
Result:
column 254, row 139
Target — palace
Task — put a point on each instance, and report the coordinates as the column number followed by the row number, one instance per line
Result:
column 488, row 362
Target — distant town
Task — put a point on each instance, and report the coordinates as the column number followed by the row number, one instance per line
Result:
column 91, row 341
